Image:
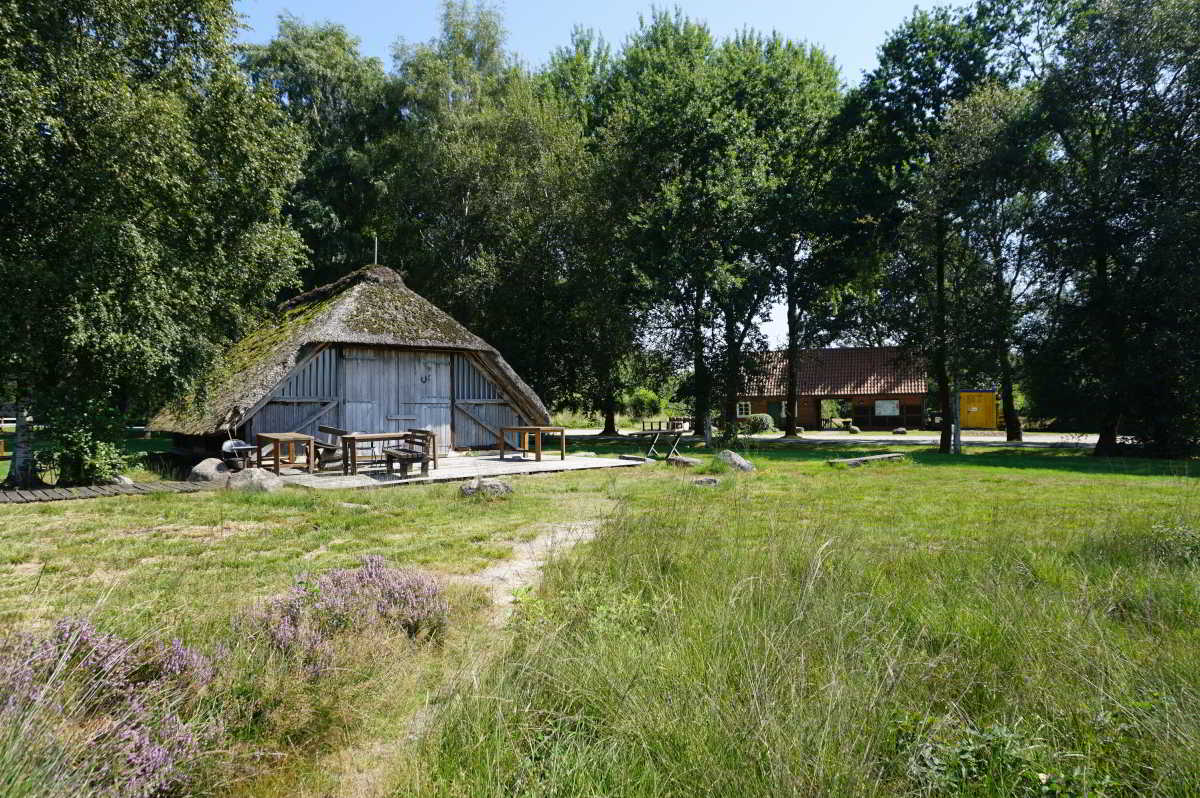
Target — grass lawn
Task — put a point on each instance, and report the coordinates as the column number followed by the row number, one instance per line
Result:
column 934, row 626
column 1007, row 623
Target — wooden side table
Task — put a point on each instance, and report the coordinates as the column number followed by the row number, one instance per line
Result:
column 289, row 439
column 525, row 433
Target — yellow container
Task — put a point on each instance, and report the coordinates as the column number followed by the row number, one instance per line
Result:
column 977, row 409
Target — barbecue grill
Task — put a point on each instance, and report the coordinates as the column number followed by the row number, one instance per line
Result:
column 237, row 454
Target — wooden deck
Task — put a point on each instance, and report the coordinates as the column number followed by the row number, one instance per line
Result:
column 453, row 469
column 94, row 492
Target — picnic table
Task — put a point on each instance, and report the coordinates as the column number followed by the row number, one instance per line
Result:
column 524, row 434
column 675, row 435
column 350, row 448
column 282, row 440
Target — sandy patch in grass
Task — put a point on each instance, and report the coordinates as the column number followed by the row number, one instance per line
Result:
column 214, row 532
column 524, row 568
column 27, row 568
column 322, row 549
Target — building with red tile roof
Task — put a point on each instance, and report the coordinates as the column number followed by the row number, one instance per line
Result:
column 885, row 385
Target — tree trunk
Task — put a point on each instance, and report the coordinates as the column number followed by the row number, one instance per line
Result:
column 733, row 374
column 703, row 383
column 1012, row 422
column 1106, row 443
column 940, row 355
column 793, row 345
column 610, row 417
column 20, row 471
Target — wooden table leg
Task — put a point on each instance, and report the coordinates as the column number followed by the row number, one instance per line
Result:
column 260, row 459
column 675, row 447
column 354, row 458
column 501, row 434
column 312, row 455
column 562, row 445
column 538, row 437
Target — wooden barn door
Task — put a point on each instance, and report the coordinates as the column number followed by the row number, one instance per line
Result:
column 423, row 394
column 388, row 390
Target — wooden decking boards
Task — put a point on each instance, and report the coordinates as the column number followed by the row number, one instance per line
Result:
column 450, row 469
column 93, row 492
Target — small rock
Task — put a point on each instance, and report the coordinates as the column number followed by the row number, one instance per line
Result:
column 210, row 470
column 637, row 458
column 735, row 460
column 853, row 430
column 487, row 487
column 706, row 481
column 899, row 431
column 254, row 479
column 683, row 462
column 120, row 479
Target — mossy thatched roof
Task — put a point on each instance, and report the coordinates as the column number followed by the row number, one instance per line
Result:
column 371, row 306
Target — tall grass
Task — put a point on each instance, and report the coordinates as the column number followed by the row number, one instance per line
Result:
column 696, row 648
column 86, row 712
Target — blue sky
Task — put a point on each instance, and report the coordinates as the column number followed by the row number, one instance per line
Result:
column 850, row 30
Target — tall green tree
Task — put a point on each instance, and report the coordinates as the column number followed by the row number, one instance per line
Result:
column 686, row 174
column 342, row 100
column 141, row 187
column 1119, row 93
column 487, row 186
column 933, row 60
column 791, row 91
column 989, row 175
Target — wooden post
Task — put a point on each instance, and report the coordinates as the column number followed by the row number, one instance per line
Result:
column 562, row 444
column 538, row 435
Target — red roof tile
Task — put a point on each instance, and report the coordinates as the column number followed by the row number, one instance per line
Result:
column 841, row 372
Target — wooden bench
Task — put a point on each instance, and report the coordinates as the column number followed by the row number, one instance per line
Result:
column 329, row 453
column 420, row 447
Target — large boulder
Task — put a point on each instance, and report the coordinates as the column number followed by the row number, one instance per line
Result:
column 485, row 487
column 683, row 462
column 735, row 461
column 254, row 479
column 212, row 471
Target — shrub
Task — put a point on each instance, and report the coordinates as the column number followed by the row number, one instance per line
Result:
column 304, row 621
column 756, row 424
column 89, row 713
column 644, row 403
column 115, row 716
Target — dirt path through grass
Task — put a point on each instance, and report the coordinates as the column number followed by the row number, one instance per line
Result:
column 366, row 767
column 508, row 577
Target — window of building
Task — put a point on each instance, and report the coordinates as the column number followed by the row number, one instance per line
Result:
column 887, row 407
column 743, row 408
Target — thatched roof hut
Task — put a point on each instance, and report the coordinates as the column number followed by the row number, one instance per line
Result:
column 364, row 352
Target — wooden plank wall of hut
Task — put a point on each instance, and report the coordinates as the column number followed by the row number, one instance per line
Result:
column 480, row 408
column 307, row 399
